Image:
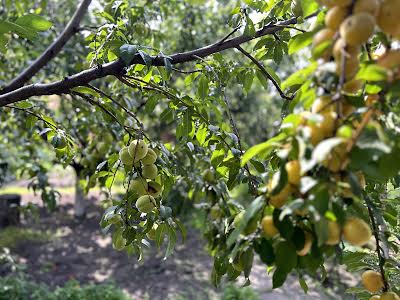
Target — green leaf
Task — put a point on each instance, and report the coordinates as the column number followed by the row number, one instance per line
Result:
column 171, row 242
column 86, row 90
column 372, row 73
column 279, row 278
column 22, row 31
column 262, row 149
column 250, row 212
column 127, row 53
column 146, row 58
column 34, row 22
column 202, row 89
column 286, row 256
column 300, row 41
column 249, row 30
column 303, row 284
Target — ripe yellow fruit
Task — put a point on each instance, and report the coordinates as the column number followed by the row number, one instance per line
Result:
column 323, row 104
column 307, row 245
column 139, row 186
column 337, row 158
column 150, row 157
column 370, row 100
column 334, row 233
column 279, row 199
column 314, row 134
column 350, row 51
column 149, row 171
column 293, row 172
column 268, row 227
column 324, row 35
column 372, row 281
column 351, row 66
column 125, row 157
column 353, row 86
column 145, row 203
column 356, row 232
column 154, row 189
column 328, row 3
column 368, row 6
column 347, row 108
column 390, row 60
column 390, row 296
column 357, row 28
column 138, row 150
column 328, row 123
column 335, row 16
column 389, row 15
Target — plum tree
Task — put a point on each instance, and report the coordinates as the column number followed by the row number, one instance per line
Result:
column 298, row 172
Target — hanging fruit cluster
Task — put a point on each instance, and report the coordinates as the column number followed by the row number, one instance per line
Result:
column 142, row 159
column 316, row 155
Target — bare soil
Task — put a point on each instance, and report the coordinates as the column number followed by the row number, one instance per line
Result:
column 82, row 252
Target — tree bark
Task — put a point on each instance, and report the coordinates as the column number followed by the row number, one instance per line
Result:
column 80, row 200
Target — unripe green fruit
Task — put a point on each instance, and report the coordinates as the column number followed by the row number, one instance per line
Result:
column 151, row 235
column 150, row 157
column 119, row 243
column 145, row 204
column 139, row 186
column 138, row 149
column 296, row 8
column 102, row 148
column 59, row 141
column 154, row 189
column 215, row 212
column 208, row 176
column 345, row 131
column 125, row 158
column 149, row 171
column 250, row 227
column 108, row 138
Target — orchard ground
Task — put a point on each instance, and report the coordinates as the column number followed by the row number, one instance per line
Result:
column 77, row 249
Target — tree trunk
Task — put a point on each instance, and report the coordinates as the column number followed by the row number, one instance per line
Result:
column 9, row 210
column 80, row 201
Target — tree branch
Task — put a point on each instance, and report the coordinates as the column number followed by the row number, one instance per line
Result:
column 55, row 47
column 118, row 67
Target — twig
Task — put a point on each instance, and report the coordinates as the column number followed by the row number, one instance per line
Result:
column 51, row 51
column 265, row 73
column 122, row 107
column 186, row 72
column 32, row 114
column 229, row 34
column 93, row 102
column 378, row 248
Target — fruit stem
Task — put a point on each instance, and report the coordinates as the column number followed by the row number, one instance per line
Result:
column 381, row 259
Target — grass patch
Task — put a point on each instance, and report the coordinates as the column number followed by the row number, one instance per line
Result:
column 19, row 288
column 11, row 236
column 22, row 190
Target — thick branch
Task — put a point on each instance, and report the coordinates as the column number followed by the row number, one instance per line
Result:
column 51, row 51
column 118, row 67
